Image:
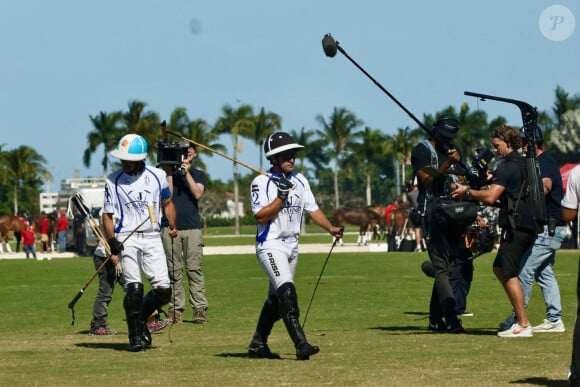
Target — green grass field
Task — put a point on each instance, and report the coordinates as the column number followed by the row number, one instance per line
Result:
column 369, row 318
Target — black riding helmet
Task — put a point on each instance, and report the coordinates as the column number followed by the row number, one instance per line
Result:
column 280, row 142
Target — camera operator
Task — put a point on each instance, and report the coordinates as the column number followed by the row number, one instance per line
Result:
column 506, row 185
column 444, row 245
column 187, row 185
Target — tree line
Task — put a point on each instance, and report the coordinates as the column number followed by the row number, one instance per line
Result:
column 348, row 163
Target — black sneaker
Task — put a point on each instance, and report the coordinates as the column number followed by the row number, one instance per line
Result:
column 261, row 351
column 438, row 326
column 455, row 327
column 304, row 351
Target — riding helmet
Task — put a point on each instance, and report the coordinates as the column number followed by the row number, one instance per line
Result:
column 131, row 147
column 280, row 142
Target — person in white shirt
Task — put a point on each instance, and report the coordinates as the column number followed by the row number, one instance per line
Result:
column 278, row 202
column 134, row 198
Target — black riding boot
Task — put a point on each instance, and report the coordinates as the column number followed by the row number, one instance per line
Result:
column 290, row 314
column 258, row 348
column 152, row 301
column 132, row 303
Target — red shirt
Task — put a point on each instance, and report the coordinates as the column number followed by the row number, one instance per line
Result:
column 388, row 210
column 27, row 237
column 44, row 226
column 62, row 223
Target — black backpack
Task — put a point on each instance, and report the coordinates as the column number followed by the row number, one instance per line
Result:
column 526, row 212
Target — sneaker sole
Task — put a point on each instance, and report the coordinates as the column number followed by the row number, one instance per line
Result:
column 518, row 335
column 558, row 330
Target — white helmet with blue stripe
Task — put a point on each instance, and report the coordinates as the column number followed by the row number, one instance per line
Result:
column 131, row 147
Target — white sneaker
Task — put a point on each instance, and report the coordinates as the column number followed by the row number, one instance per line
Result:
column 517, row 331
column 549, row 326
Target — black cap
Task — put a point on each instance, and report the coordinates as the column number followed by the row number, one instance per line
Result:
column 447, row 126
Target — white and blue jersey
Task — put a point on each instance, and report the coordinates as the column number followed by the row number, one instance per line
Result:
column 289, row 220
column 128, row 196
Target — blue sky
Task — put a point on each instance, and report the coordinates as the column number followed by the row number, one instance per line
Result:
column 64, row 60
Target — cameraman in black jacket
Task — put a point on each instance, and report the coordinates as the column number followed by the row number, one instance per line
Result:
column 431, row 160
column 506, row 184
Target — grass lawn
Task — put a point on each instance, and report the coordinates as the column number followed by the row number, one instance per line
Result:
column 369, row 317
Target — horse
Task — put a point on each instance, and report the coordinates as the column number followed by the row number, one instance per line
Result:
column 397, row 226
column 359, row 216
column 381, row 228
column 52, row 229
column 10, row 223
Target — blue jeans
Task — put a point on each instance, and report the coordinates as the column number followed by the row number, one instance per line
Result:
column 538, row 263
column 62, row 241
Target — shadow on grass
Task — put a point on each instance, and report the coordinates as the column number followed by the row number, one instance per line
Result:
column 233, row 354
column 421, row 330
column 115, row 346
column 417, row 313
column 541, row 381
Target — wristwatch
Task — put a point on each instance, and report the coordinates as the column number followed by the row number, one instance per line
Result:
column 468, row 193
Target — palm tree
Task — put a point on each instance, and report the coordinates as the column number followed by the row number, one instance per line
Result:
column 236, row 122
column 366, row 158
column 403, row 143
column 266, row 124
column 564, row 103
column 313, row 149
column 107, row 130
column 24, row 164
column 339, row 133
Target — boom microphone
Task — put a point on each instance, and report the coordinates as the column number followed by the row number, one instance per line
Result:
column 329, row 45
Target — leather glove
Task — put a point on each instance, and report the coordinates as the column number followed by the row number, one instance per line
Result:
column 115, row 246
column 284, row 187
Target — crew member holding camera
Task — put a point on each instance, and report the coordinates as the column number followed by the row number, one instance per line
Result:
column 506, row 186
column 431, row 160
column 187, row 185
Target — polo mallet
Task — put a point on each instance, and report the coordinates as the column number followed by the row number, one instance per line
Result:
column 207, row 148
column 81, row 206
column 319, row 277
column 256, row 170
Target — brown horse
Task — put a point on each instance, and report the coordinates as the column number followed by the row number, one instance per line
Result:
column 360, row 216
column 398, row 224
column 52, row 229
column 14, row 224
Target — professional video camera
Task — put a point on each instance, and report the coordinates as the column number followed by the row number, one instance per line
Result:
column 476, row 175
column 171, row 153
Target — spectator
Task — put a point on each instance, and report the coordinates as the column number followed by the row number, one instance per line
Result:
column 415, row 216
column 29, row 240
column 62, row 227
column 44, row 229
